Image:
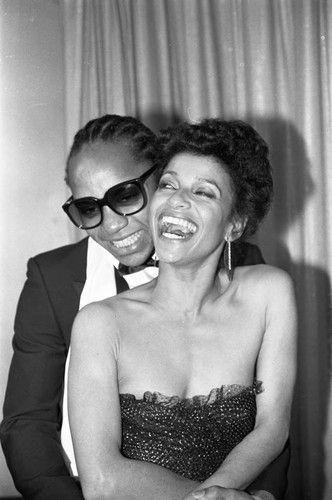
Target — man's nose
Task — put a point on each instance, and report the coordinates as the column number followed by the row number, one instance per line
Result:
column 113, row 222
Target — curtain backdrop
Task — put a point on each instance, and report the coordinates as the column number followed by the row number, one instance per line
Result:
column 265, row 61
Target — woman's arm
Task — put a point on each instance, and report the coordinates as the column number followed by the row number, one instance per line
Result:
column 276, row 367
column 95, row 418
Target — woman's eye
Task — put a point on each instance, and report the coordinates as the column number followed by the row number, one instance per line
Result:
column 165, row 185
column 205, row 194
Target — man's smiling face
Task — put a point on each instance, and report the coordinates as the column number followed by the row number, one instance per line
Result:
column 94, row 170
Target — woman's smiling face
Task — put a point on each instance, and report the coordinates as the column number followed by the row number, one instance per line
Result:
column 190, row 213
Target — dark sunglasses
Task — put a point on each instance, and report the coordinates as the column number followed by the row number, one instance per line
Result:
column 126, row 198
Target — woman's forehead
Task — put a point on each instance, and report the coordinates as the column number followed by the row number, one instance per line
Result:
column 198, row 167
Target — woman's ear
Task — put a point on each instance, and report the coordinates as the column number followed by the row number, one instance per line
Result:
column 238, row 225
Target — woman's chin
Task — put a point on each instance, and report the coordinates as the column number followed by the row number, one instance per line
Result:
column 171, row 252
column 172, row 258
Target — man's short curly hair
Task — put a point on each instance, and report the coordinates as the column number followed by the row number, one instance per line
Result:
column 236, row 145
column 112, row 129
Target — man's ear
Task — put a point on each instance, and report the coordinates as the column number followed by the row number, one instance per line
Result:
column 238, row 225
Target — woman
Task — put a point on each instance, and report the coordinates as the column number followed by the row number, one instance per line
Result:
column 165, row 374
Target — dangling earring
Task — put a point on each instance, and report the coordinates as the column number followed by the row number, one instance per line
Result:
column 228, row 260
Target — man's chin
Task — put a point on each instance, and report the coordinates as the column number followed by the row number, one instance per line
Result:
column 133, row 256
column 134, row 259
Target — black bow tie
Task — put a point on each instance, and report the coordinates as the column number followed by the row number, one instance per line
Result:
column 150, row 262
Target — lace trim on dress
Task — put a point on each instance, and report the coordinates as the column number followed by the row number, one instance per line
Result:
column 216, row 394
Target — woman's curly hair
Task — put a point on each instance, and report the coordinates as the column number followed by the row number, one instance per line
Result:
column 236, row 145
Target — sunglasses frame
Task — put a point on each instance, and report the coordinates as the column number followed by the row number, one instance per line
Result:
column 102, row 202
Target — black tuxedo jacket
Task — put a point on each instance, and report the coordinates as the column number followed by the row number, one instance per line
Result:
column 30, row 431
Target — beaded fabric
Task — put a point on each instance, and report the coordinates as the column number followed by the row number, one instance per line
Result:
column 191, row 436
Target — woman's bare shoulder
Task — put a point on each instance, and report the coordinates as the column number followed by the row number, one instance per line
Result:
column 263, row 272
column 266, row 278
column 110, row 310
column 97, row 310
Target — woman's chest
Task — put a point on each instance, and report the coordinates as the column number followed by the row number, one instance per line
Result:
column 187, row 356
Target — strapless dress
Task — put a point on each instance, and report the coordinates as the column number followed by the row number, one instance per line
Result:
column 190, row 436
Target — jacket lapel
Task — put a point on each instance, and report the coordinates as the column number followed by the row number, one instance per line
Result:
column 68, row 279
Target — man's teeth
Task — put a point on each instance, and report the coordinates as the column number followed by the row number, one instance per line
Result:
column 174, row 225
column 126, row 242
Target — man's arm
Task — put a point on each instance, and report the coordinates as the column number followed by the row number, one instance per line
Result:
column 32, row 408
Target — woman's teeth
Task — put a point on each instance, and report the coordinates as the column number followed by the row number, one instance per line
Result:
column 176, row 228
column 173, row 236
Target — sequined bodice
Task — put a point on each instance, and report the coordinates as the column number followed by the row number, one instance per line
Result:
column 192, row 436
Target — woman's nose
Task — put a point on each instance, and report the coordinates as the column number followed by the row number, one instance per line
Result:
column 179, row 199
column 113, row 222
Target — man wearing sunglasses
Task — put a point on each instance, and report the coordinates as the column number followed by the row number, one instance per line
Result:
column 111, row 174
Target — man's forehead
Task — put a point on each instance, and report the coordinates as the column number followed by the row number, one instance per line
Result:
column 115, row 158
column 101, row 169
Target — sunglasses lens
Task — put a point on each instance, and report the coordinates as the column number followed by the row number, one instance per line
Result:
column 126, row 199
column 85, row 213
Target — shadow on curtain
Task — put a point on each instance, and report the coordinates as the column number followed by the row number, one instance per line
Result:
column 313, row 287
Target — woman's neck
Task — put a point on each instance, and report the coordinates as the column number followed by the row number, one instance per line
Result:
column 185, row 290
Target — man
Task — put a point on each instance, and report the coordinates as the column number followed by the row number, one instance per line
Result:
column 111, row 176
